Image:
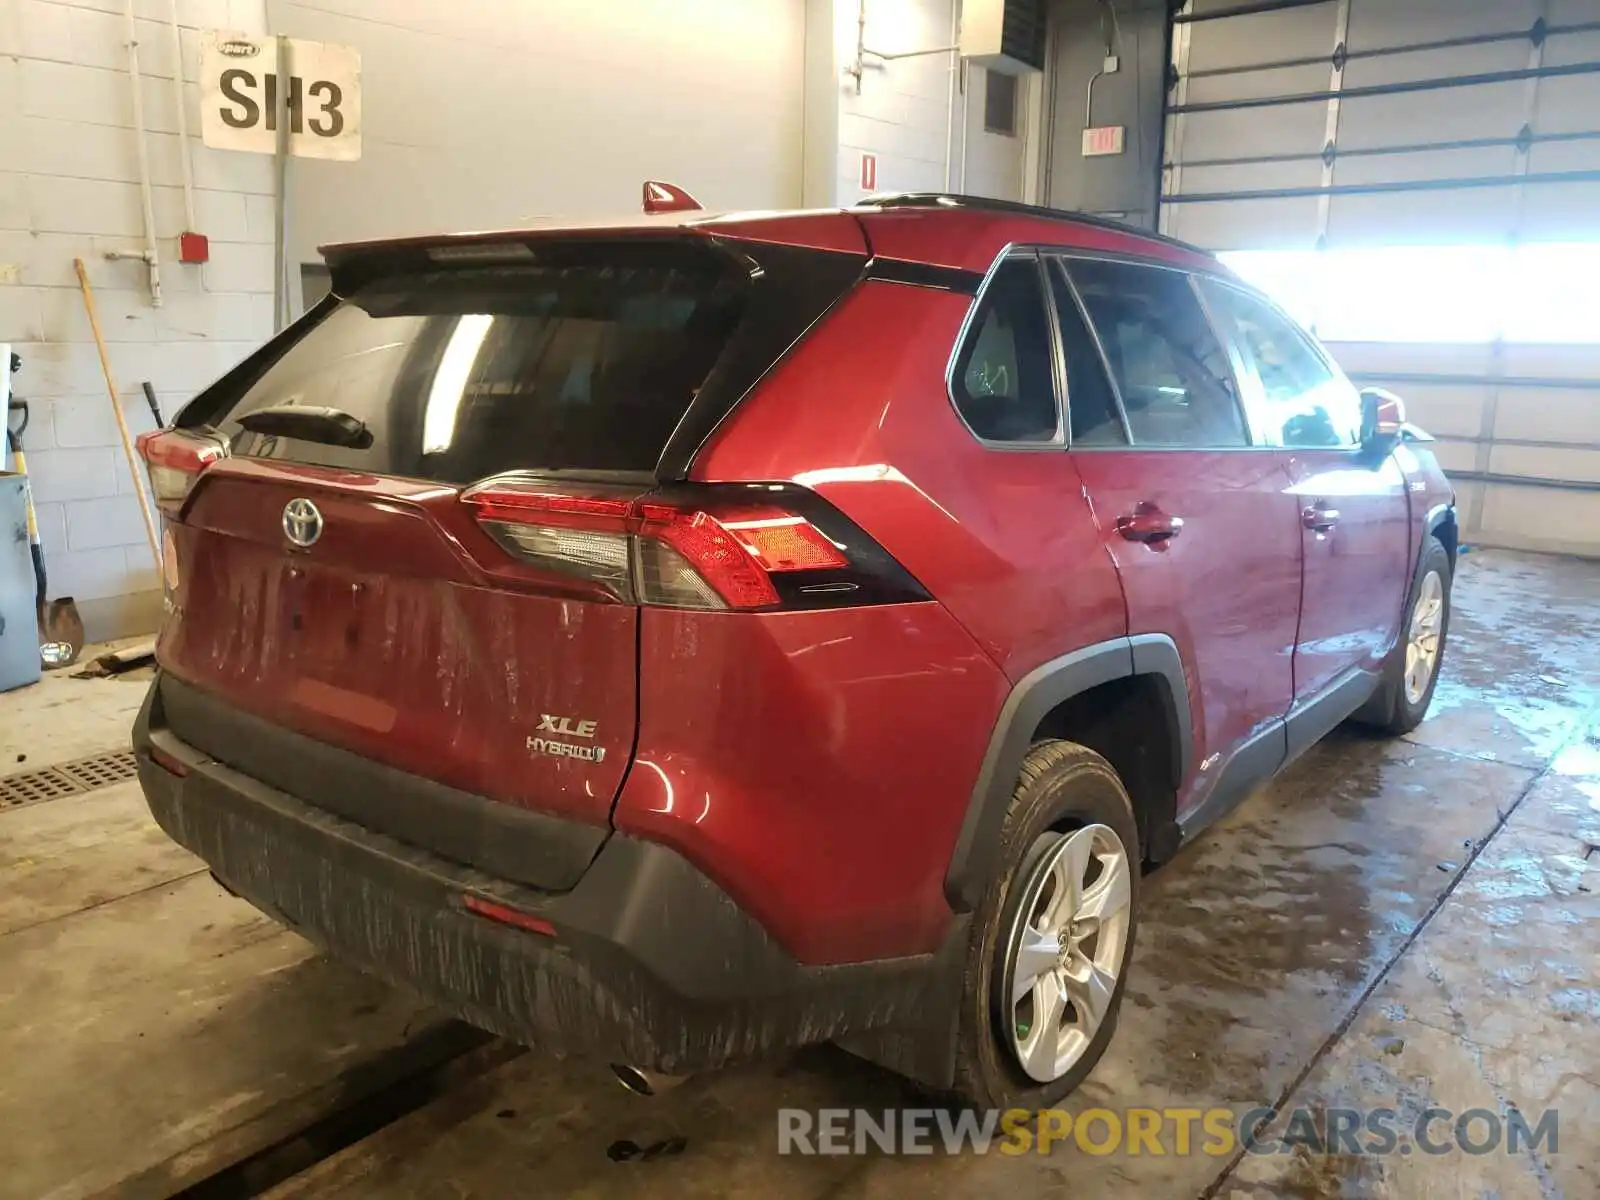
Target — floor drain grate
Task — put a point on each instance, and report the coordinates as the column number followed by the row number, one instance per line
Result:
column 67, row 779
column 102, row 770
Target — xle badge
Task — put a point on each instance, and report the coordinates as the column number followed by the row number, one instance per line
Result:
column 567, row 727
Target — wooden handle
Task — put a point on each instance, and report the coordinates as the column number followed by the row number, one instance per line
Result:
column 116, row 408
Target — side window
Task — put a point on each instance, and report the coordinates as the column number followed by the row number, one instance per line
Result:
column 1003, row 384
column 1175, row 378
column 1091, row 405
column 1307, row 404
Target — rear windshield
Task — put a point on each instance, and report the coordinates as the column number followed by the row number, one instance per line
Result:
column 464, row 372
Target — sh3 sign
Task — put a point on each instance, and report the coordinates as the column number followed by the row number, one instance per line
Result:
column 240, row 82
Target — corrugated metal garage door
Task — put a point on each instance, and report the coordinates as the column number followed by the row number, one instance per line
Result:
column 1420, row 181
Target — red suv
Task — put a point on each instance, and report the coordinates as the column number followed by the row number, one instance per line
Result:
column 677, row 641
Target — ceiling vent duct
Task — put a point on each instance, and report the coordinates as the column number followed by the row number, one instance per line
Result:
column 1004, row 35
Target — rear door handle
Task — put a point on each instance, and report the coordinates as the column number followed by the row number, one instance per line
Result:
column 1148, row 524
column 1319, row 517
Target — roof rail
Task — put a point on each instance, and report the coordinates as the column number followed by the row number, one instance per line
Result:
column 987, row 204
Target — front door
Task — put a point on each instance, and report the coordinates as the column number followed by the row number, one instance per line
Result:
column 1354, row 508
column 1198, row 521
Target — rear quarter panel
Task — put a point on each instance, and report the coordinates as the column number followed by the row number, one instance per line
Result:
column 1004, row 539
column 816, row 764
column 841, row 748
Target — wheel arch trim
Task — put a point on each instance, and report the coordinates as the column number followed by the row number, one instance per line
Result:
column 1437, row 517
column 973, row 860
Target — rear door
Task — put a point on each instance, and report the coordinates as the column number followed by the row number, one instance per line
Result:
column 1353, row 506
column 336, row 581
column 1195, row 517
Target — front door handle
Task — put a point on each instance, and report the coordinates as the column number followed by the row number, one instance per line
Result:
column 1148, row 524
column 1319, row 517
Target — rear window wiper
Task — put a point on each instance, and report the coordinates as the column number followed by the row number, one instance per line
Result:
column 330, row 426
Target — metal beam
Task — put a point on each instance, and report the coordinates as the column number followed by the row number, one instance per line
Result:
column 1391, row 89
column 1566, row 485
column 1402, row 378
column 1455, row 43
column 1397, row 185
column 1244, row 10
column 1491, row 143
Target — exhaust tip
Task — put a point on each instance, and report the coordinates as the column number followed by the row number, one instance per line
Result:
column 644, row 1083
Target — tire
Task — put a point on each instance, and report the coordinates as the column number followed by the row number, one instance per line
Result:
column 1396, row 708
column 1063, row 788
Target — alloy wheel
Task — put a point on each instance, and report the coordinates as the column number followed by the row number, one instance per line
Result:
column 1423, row 637
column 1064, row 951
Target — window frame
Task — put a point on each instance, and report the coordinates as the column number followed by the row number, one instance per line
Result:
column 1058, row 372
column 1057, row 263
column 1253, row 390
column 1015, row 85
column 1249, row 414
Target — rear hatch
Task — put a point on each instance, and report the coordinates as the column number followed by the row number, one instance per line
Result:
column 405, row 528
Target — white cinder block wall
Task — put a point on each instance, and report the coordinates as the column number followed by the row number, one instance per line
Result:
column 68, row 188
column 487, row 113
column 908, row 113
column 476, row 113
column 572, row 105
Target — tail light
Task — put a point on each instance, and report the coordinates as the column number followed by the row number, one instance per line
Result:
column 738, row 546
column 176, row 460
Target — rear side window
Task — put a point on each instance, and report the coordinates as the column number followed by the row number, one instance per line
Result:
column 1175, row 378
column 1091, row 405
column 1307, row 404
column 462, row 373
column 1004, row 383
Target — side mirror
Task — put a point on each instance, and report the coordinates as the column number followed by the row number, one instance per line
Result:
column 1383, row 417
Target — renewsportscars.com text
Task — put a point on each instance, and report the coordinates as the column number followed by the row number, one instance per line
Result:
column 1215, row 1132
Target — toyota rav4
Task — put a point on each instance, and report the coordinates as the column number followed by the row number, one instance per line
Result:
column 676, row 641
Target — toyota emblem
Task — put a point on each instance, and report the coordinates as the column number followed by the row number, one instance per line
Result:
column 302, row 523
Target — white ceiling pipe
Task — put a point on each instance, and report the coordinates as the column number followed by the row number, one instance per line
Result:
column 148, row 255
column 189, row 225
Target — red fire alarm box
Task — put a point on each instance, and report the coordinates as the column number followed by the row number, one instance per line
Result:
column 194, row 248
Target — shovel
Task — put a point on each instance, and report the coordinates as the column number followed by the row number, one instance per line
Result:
column 60, row 626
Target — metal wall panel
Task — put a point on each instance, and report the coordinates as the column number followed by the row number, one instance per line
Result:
column 1413, row 218
column 1457, row 457
column 1273, row 224
column 1447, row 410
column 1435, row 64
column 1295, row 129
column 1568, row 48
column 1569, row 105
column 1562, row 212
column 1577, row 155
column 1430, row 122
column 1239, row 41
column 1546, row 462
column 1555, row 415
column 1380, row 24
column 1410, row 118
column 1278, row 81
column 1252, row 176
column 1453, row 163
column 1537, row 518
column 1558, row 364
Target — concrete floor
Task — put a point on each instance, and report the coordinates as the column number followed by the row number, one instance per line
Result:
column 1390, row 924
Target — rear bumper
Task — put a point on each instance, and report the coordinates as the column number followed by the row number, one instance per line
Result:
column 651, row 964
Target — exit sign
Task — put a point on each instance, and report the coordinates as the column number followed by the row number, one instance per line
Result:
column 1103, row 139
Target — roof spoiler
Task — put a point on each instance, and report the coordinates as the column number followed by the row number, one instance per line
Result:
column 662, row 197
